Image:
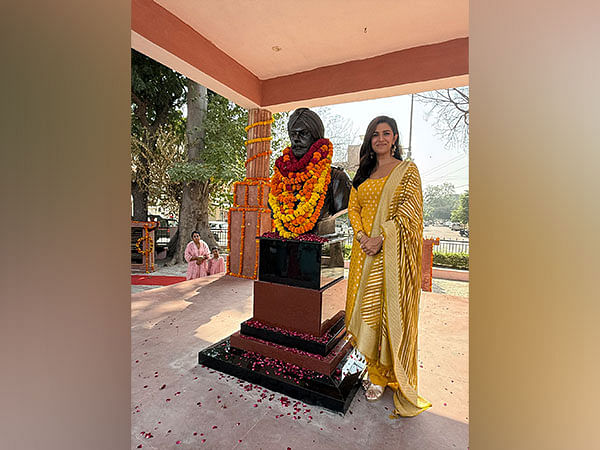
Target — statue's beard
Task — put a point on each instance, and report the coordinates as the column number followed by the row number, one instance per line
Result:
column 299, row 152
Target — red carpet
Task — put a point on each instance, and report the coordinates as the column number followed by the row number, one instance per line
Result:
column 149, row 280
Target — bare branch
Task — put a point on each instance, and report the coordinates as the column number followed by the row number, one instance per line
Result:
column 449, row 111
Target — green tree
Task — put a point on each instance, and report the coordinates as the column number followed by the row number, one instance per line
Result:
column 439, row 201
column 460, row 213
column 157, row 95
column 215, row 156
column 161, row 151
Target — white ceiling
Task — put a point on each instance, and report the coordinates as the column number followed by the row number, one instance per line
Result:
column 316, row 33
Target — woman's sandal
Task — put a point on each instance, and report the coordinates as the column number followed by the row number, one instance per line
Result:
column 373, row 392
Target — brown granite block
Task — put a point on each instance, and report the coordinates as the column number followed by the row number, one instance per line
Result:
column 298, row 309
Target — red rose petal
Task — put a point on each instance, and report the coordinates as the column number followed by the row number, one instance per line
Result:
column 163, row 386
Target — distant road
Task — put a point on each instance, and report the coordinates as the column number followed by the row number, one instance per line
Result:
column 442, row 233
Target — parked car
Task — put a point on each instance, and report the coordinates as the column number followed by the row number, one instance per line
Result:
column 464, row 232
column 456, row 227
column 215, row 226
column 166, row 229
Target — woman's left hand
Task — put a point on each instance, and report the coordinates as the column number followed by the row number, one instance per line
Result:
column 371, row 246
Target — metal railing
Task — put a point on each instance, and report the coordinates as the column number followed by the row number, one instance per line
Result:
column 451, row 246
column 445, row 246
column 221, row 237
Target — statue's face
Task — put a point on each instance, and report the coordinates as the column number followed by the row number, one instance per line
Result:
column 300, row 138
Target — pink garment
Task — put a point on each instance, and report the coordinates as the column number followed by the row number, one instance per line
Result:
column 216, row 265
column 194, row 270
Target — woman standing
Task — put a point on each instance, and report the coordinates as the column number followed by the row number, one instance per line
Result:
column 384, row 282
column 196, row 255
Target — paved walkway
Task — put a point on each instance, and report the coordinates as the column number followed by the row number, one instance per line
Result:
column 178, row 404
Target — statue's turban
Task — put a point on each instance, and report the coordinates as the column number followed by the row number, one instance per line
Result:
column 310, row 119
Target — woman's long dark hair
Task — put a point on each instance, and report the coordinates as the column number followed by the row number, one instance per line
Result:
column 368, row 160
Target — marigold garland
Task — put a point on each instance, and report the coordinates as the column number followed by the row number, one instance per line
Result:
column 242, row 238
column 298, row 188
column 258, row 155
column 261, row 139
column 149, row 246
column 260, row 182
column 255, row 124
column 148, row 257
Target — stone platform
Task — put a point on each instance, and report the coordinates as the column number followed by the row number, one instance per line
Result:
column 207, row 409
column 332, row 386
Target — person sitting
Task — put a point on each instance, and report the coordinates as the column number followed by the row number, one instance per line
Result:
column 216, row 264
column 196, row 254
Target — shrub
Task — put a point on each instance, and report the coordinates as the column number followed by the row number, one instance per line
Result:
column 451, row 260
column 346, row 250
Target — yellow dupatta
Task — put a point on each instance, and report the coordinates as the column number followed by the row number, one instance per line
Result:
column 399, row 219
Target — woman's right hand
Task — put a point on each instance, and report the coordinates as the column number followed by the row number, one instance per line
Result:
column 371, row 246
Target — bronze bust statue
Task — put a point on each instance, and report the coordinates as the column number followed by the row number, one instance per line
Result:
column 304, row 129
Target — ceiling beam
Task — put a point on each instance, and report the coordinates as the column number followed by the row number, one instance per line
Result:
column 156, row 30
column 159, row 34
column 418, row 67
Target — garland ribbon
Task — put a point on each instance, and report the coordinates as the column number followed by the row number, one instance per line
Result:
column 298, row 188
column 262, row 139
column 255, row 124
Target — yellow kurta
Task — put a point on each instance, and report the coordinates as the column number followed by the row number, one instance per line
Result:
column 383, row 290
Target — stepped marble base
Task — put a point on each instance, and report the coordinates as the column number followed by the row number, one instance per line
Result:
column 322, row 364
column 334, row 392
column 319, row 345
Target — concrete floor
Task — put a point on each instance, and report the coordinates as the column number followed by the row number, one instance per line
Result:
column 178, row 404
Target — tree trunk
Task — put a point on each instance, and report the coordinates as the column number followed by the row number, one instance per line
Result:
column 195, row 199
column 140, row 202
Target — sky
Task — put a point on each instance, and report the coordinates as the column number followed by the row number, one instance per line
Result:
column 436, row 163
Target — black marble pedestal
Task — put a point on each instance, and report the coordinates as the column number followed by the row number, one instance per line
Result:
column 334, row 392
column 298, row 263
